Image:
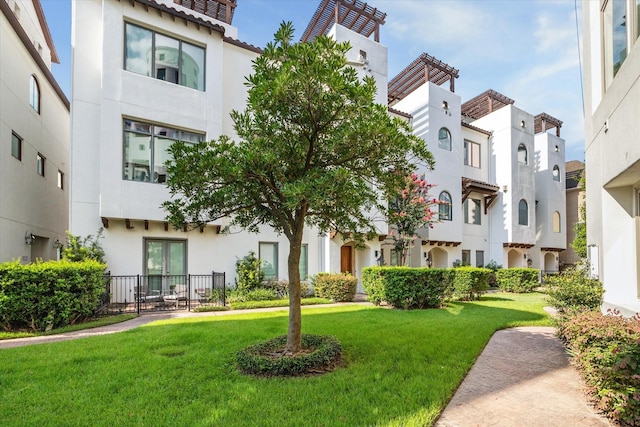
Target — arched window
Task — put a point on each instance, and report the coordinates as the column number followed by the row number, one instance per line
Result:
column 556, row 173
column 556, row 222
column 444, row 209
column 522, row 154
column 34, row 94
column 523, row 212
column 444, row 139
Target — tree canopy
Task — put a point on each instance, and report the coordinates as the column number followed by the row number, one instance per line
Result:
column 313, row 148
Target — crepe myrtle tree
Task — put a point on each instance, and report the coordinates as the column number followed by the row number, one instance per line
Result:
column 410, row 211
column 313, row 148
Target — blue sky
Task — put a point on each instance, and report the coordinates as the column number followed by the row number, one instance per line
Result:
column 524, row 49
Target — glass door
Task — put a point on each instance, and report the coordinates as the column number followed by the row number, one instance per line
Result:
column 165, row 264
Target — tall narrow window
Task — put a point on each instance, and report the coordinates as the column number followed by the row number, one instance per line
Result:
column 556, row 173
column 466, row 257
column 472, row 213
column 523, row 212
column 444, row 208
column 60, row 180
column 479, row 258
column 471, row 154
column 556, row 222
column 615, row 21
column 16, row 146
column 268, row 253
column 304, row 262
column 522, row 154
column 34, row 94
column 444, row 139
column 40, row 164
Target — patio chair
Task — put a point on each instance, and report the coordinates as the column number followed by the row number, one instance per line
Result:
column 177, row 294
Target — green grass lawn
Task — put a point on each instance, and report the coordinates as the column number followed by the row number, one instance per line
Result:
column 401, row 368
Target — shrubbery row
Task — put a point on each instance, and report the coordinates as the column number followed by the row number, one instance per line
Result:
column 50, row 294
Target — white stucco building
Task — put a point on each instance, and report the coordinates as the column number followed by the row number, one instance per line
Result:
column 612, row 160
column 34, row 137
column 147, row 72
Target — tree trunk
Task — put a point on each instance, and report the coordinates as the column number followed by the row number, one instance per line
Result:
column 294, row 334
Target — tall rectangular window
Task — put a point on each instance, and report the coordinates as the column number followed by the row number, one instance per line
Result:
column 166, row 58
column 60, row 180
column 304, row 262
column 268, row 253
column 466, row 257
column 479, row 258
column 16, row 146
column 40, row 164
column 472, row 213
column 146, row 150
column 471, row 154
column 615, row 21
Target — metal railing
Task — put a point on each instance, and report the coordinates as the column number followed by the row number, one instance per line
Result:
column 138, row 293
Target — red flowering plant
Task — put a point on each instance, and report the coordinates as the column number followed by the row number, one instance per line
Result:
column 409, row 212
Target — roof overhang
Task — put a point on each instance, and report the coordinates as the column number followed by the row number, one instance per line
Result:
column 489, row 191
column 423, row 69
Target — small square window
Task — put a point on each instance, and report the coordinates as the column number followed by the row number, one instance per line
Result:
column 16, row 146
column 40, row 164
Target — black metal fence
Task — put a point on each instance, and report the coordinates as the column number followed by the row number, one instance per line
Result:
column 138, row 293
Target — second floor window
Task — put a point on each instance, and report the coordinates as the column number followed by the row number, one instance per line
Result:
column 472, row 213
column 444, row 139
column 155, row 55
column 523, row 212
column 523, row 156
column 444, row 209
column 471, row 154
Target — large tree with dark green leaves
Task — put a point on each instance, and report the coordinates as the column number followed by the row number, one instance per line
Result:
column 314, row 148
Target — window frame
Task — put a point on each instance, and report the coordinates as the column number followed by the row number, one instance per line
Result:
column 448, row 138
column 555, row 173
column 465, row 256
column 445, row 208
column 479, row 257
column 469, row 158
column 475, row 215
column 16, row 153
column 274, row 262
column 153, row 70
column 40, row 164
column 34, row 93
column 303, row 264
column 523, row 149
column 523, row 214
column 556, row 222
column 60, row 179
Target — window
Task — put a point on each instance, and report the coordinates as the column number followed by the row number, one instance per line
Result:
column 34, row 94
column 444, row 139
column 268, row 253
column 556, row 173
column 472, row 214
column 615, row 38
column 556, row 222
column 165, row 58
column 16, row 146
column 522, row 154
column 146, row 150
column 479, row 258
column 60, row 180
column 304, row 262
column 466, row 257
column 444, row 209
column 523, row 212
column 165, row 266
column 40, row 164
column 471, row 154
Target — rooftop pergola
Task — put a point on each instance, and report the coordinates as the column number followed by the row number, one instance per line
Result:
column 352, row 14
column 423, row 69
column 543, row 122
column 485, row 103
column 222, row 10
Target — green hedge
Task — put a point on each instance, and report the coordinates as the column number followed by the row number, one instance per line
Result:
column 51, row 294
column 518, row 280
column 336, row 287
column 470, row 283
column 573, row 290
column 405, row 287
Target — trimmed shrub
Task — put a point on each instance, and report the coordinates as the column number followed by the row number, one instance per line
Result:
column 405, row 287
column 606, row 350
column 573, row 290
column 519, row 280
column 260, row 294
column 322, row 353
column 470, row 283
column 249, row 271
column 281, row 288
column 336, row 287
column 46, row 295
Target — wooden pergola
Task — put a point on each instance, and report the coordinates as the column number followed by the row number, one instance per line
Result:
column 352, row 14
column 222, row 10
column 543, row 122
column 423, row 69
column 485, row 103
column 490, row 191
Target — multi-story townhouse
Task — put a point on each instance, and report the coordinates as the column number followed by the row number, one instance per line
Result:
column 34, row 137
column 147, row 72
column 612, row 159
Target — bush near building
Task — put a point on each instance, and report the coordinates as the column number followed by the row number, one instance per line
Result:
column 337, row 287
column 574, row 290
column 46, row 295
column 606, row 350
column 469, row 283
column 519, row 280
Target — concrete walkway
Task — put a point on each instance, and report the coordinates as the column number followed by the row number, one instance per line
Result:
column 521, row 379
